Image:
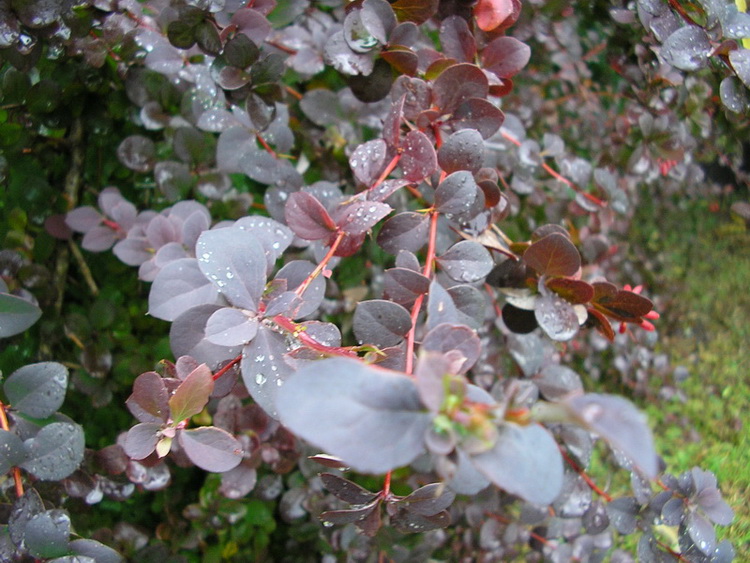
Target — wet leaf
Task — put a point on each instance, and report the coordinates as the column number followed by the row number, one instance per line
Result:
column 149, row 401
column 55, row 452
column 492, row 13
column 235, row 263
column 37, row 390
column 137, row 153
column 621, row 424
column 46, row 534
column 403, row 286
column 457, row 84
column 573, row 291
column 307, row 217
column 11, row 451
column 381, row 407
column 456, row 194
column 358, row 217
column 140, row 441
column 556, row 381
column 346, row 490
column 505, row 56
column 231, row 327
column 97, row 551
column 211, row 448
column 263, row 368
column 556, row 317
column 178, row 287
column 416, row 11
column 418, row 159
column 463, row 150
column 368, row 161
column 457, row 40
column 16, row 314
column 553, row 255
column 405, row 231
column 479, row 114
column 466, row 261
column 525, row 461
column 382, row 323
column 687, row 48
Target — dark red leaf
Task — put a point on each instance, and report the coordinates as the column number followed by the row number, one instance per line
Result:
column 463, row 150
column 457, row 84
column 379, row 322
column 623, row 306
column 479, row 114
column 405, row 231
column 403, row 286
column 457, row 194
column 518, row 320
column 466, row 261
column 402, row 59
column 600, row 323
column 307, row 217
column 457, row 40
column 505, row 56
column 358, row 217
column 149, row 400
column 553, row 255
column 573, row 291
column 346, row 490
column 418, row 159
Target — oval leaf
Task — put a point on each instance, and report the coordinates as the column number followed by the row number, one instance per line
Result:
column 55, row 452
column 37, row 390
column 211, row 448
column 382, row 323
column 371, row 418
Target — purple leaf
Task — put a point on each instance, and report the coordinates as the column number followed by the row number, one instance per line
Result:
column 416, row 93
column 83, row 219
column 346, row 490
column 358, row 217
column 137, row 153
column 470, row 303
column 37, row 390
column 403, row 286
column 263, row 368
column 457, row 40
column 12, row 448
column 252, row 23
column 556, row 317
column 295, row 273
column 368, row 161
column 621, row 424
column 457, row 84
column 505, row 56
column 274, row 236
column 141, row 440
column 701, row 532
column 382, row 323
column 149, row 401
column 688, row 48
column 466, row 479
column 187, row 337
column 446, row 338
column 99, row 239
column 371, row 418
column 340, row 56
column 428, row 500
column 55, row 452
column 386, row 189
column 238, row 482
column 463, row 150
column 418, row 158
column 192, row 394
column 231, row 327
column 440, row 307
column 211, row 448
column 525, row 461
column 556, row 381
column 351, row 515
column 456, row 194
column 405, row 231
column 466, row 261
column 479, row 114
column 307, row 217
column 235, row 263
column 178, row 287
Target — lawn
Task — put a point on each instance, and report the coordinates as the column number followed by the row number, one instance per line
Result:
column 701, row 261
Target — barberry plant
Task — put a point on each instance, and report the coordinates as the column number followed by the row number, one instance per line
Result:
column 375, row 263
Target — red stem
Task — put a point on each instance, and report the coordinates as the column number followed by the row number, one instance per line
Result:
column 323, row 263
column 292, row 327
column 266, row 146
column 589, row 481
column 227, row 367
column 556, row 175
column 427, row 272
column 16, row 471
column 388, row 169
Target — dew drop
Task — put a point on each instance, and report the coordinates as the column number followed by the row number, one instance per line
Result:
column 260, row 379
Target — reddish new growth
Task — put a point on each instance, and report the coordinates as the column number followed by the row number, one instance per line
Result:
column 651, row 315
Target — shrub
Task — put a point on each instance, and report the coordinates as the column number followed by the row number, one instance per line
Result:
column 379, row 231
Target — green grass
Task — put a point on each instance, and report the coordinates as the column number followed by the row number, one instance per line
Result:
column 702, row 261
